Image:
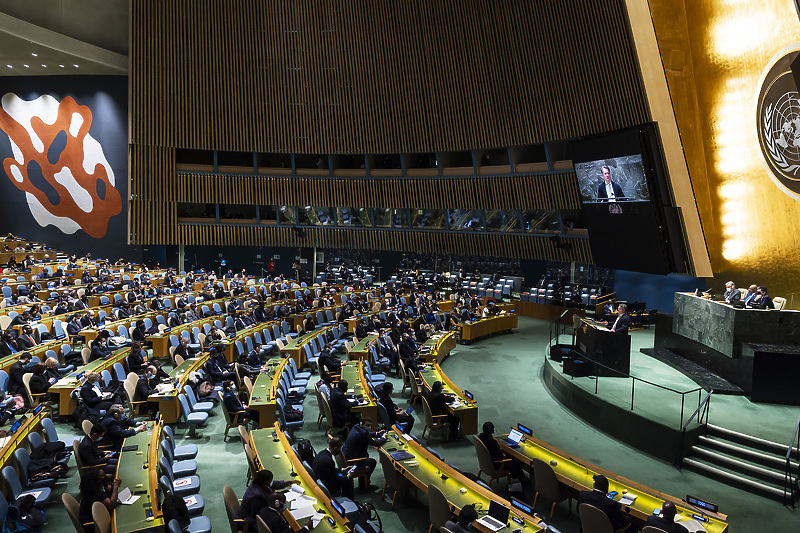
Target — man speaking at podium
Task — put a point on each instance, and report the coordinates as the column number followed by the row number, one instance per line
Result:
column 623, row 321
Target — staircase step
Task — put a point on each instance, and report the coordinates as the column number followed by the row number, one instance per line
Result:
column 755, row 442
column 738, row 465
column 766, row 459
column 735, row 478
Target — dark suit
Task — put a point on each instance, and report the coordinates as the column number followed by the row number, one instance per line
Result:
column 276, row 522
column 497, row 455
column 621, row 324
column 144, row 388
column 15, row 384
column 405, row 419
column 91, row 456
column 340, row 409
column 331, row 475
column 136, row 361
column 253, row 500
column 732, row 295
column 609, row 507
column 667, row 525
column 438, row 404
column 25, row 341
column 765, row 302
column 357, row 445
column 99, row 352
column 602, row 195
column 118, row 430
column 232, row 403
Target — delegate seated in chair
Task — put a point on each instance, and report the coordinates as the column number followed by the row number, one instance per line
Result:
column 91, row 455
column 498, row 457
column 356, row 450
column 333, row 477
column 256, row 495
column 119, row 426
column 97, row 486
column 598, row 498
column 438, row 404
column 666, row 520
column 232, row 403
column 272, row 515
column 341, row 403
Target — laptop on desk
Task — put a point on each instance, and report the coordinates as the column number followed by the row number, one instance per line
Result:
column 497, row 517
column 513, row 438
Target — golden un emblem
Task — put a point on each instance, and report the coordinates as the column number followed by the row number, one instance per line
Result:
column 778, row 119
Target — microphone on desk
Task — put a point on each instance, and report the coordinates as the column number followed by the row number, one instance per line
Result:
column 293, row 473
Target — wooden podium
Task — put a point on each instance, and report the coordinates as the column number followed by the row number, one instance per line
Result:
column 599, row 345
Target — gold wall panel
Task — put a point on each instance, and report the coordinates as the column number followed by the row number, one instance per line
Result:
column 714, row 53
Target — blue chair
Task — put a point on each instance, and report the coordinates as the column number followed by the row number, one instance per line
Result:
column 119, row 371
column 296, row 375
column 35, row 440
column 23, row 459
column 179, row 468
column 185, row 485
column 15, row 488
column 202, row 407
column 180, row 453
column 107, row 379
column 190, row 417
column 286, row 426
column 199, row 524
column 3, row 381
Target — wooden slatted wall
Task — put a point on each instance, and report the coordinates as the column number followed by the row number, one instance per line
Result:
column 545, row 191
column 522, row 246
column 379, row 76
column 369, row 76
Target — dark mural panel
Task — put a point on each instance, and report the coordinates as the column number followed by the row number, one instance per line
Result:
column 63, row 150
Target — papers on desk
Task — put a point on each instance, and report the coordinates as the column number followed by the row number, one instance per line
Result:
column 302, row 506
column 627, row 499
column 63, row 382
column 164, row 388
column 126, row 498
column 692, row 525
column 455, row 404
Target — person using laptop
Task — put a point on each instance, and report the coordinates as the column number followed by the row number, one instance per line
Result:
column 498, row 457
column 666, row 521
column 598, row 498
column 466, row 517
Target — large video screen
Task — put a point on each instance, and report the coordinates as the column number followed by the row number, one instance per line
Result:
column 617, row 179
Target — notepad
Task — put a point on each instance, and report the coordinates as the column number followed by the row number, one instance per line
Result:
column 627, row 499
column 126, row 498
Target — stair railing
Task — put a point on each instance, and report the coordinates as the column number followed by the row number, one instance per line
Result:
column 789, row 482
column 702, row 411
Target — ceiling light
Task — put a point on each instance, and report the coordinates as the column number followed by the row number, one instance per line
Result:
column 26, row 66
column 62, row 66
column 9, row 66
column 34, row 54
column 45, row 66
column 76, row 66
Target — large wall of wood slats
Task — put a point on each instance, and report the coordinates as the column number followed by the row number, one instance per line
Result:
column 545, row 191
column 489, row 245
column 366, row 76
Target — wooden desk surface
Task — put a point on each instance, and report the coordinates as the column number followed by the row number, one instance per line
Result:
column 361, row 351
column 579, row 475
column 467, row 411
column 168, row 404
column 486, row 326
column 426, row 469
column 295, row 348
column 276, row 454
column 438, row 347
column 138, row 471
column 32, row 423
column 353, row 373
column 64, row 386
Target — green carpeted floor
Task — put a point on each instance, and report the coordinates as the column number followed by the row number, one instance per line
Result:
column 504, row 373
